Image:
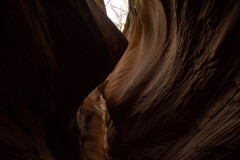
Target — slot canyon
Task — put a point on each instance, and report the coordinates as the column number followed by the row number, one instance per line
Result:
column 74, row 87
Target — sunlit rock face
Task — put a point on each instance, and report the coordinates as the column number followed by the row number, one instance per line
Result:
column 53, row 54
column 91, row 119
column 175, row 92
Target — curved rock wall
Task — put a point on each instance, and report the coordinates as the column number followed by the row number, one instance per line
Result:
column 53, row 54
column 175, row 92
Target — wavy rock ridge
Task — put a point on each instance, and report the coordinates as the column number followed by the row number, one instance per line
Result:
column 175, row 92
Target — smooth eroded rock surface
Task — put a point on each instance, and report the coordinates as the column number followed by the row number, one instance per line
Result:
column 175, row 92
column 53, row 54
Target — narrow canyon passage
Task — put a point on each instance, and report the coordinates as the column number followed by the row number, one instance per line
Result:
column 73, row 86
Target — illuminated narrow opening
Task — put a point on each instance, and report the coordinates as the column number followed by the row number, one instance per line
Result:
column 117, row 11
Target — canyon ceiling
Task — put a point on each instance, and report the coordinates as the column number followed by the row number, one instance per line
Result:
column 74, row 87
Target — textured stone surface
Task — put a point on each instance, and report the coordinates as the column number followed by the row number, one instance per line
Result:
column 175, row 92
column 91, row 119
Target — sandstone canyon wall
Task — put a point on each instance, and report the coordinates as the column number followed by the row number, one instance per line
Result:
column 174, row 93
column 53, row 54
